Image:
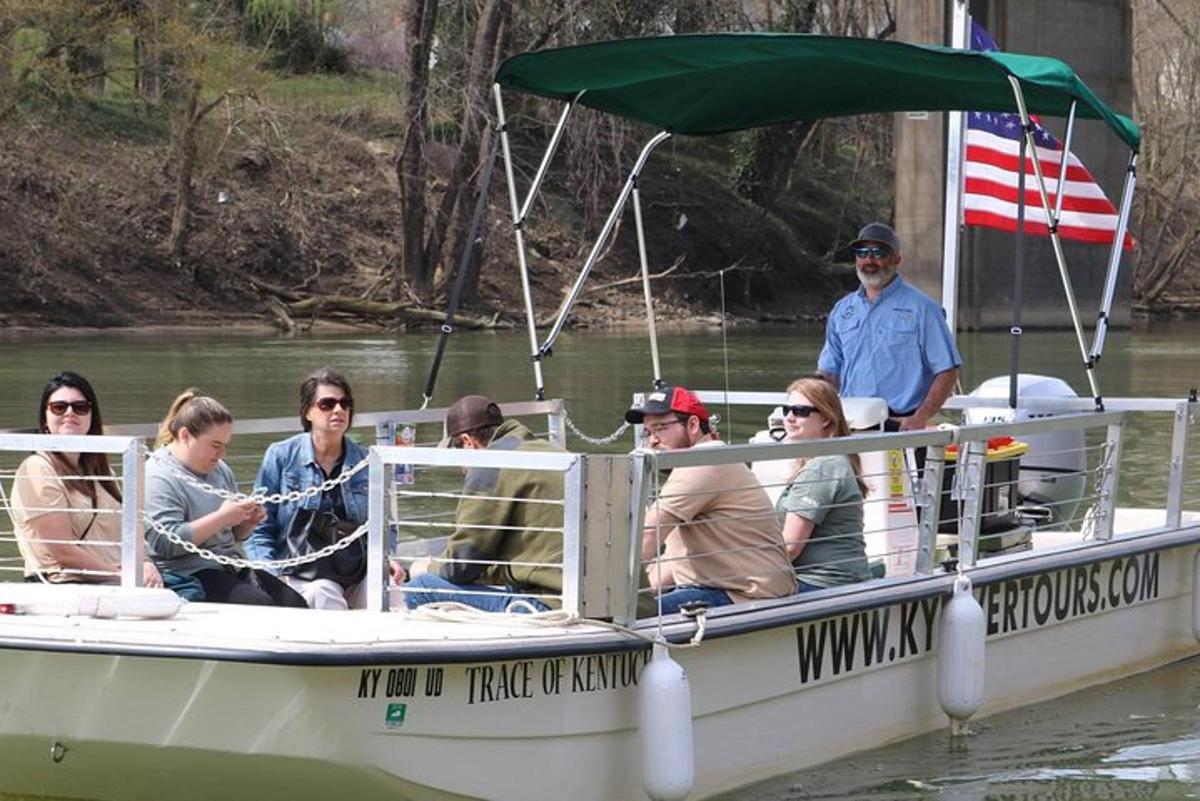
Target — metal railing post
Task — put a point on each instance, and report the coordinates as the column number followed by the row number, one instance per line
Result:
column 557, row 432
column 640, row 473
column 574, row 525
column 1107, row 502
column 133, row 540
column 972, row 465
column 1185, row 418
column 377, row 584
column 929, row 502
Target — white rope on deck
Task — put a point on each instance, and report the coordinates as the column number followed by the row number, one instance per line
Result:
column 530, row 617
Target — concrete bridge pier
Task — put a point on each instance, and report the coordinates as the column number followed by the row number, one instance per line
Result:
column 1095, row 38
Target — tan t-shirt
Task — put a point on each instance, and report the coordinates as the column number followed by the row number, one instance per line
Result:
column 726, row 532
column 37, row 491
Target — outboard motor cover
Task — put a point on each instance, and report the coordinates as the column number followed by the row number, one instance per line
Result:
column 1053, row 471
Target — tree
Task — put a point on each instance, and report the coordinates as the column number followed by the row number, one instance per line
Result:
column 450, row 222
column 412, row 170
column 61, row 54
column 176, row 43
column 1167, row 102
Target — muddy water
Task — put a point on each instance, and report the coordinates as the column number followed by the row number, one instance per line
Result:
column 1138, row 738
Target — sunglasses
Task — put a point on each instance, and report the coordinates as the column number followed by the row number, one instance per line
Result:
column 875, row 251
column 79, row 407
column 327, row 404
column 799, row 410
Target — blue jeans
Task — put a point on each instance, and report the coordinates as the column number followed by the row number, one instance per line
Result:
column 671, row 601
column 804, row 586
column 441, row 590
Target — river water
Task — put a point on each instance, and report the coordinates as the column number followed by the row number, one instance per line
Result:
column 1138, row 738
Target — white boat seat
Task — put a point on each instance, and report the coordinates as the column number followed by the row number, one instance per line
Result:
column 865, row 414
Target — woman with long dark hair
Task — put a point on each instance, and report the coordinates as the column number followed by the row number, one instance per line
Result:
column 180, row 477
column 67, row 506
column 823, row 502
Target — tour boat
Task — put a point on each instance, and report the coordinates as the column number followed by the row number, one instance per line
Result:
column 125, row 692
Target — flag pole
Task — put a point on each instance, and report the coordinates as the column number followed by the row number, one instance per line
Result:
column 952, row 216
column 1014, row 356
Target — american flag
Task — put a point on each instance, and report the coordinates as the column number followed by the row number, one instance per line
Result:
column 990, row 172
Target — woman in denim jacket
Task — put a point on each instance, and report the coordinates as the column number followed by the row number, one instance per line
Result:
column 295, row 528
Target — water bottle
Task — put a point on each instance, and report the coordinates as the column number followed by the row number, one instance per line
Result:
column 405, row 437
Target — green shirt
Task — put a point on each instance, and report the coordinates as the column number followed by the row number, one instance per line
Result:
column 826, row 492
column 499, row 525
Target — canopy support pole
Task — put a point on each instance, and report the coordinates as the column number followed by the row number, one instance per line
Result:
column 1029, row 147
column 551, row 149
column 952, row 218
column 1114, row 260
column 641, row 240
column 1062, row 165
column 547, row 347
column 519, row 225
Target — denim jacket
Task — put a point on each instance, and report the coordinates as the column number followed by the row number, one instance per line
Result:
column 291, row 465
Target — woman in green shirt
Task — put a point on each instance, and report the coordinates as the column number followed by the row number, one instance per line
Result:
column 823, row 502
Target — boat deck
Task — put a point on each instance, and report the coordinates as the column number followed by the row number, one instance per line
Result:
column 250, row 633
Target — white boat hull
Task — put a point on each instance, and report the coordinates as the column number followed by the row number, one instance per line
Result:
column 177, row 709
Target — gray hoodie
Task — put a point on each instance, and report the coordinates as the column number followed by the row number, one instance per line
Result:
column 174, row 503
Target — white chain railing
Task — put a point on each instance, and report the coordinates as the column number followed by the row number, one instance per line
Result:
column 611, row 438
column 276, row 497
column 256, row 564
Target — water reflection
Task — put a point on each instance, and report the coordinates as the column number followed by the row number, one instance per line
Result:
column 1135, row 738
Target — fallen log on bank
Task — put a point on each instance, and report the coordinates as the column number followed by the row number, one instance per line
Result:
column 379, row 311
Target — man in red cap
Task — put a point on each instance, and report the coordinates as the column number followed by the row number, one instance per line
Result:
column 506, row 546
column 711, row 535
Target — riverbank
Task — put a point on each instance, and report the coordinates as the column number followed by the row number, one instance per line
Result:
column 305, row 237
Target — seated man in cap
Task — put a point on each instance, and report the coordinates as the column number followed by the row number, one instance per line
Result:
column 889, row 339
column 712, row 534
column 495, row 554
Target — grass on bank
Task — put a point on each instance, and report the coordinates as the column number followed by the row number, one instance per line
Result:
column 371, row 98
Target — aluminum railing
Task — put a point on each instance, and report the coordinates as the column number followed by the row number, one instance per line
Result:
column 569, row 535
column 132, row 479
column 606, row 495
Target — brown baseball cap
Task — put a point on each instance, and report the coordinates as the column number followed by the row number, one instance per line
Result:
column 471, row 412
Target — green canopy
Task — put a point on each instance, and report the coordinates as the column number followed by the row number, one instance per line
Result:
column 714, row 83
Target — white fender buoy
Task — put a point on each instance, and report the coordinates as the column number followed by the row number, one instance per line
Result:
column 1196, row 596
column 85, row 601
column 143, row 602
column 665, row 725
column 961, row 656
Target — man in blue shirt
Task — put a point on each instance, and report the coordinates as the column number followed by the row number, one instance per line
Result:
column 888, row 339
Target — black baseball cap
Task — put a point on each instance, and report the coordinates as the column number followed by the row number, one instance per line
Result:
column 665, row 401
column 878, row 232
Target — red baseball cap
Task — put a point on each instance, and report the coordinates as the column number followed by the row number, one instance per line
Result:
column 665, row 401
